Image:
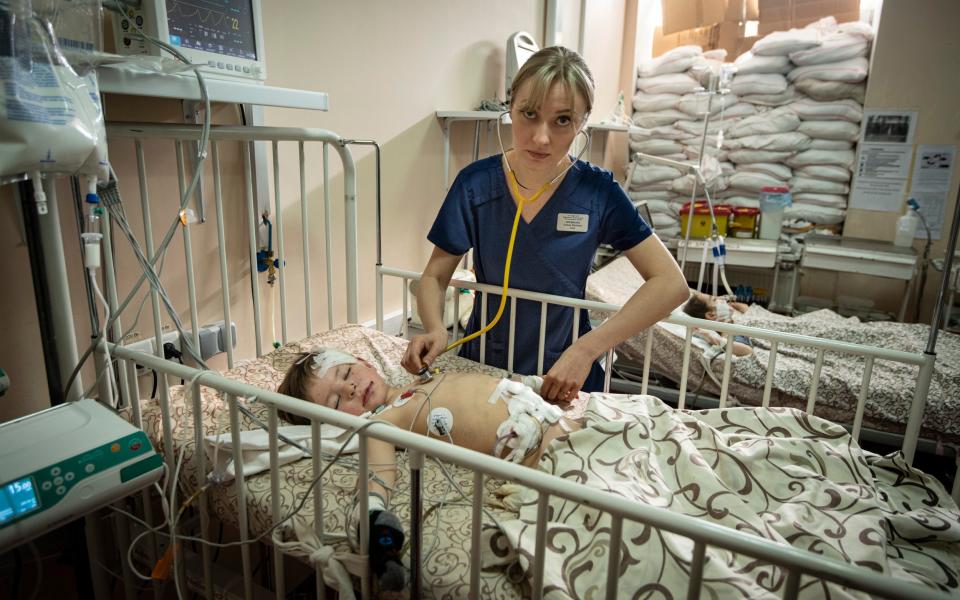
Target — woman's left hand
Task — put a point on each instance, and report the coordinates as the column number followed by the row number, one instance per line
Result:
column 563, row 381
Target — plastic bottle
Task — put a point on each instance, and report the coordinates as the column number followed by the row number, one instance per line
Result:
column 773, row 203
column 906, row 227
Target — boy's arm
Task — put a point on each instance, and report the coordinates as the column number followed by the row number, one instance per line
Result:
column 382, row 457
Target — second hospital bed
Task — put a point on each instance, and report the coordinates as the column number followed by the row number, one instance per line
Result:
column 632, row 504
column 839, row 376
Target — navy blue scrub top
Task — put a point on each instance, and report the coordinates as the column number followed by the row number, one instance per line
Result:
column 478, row 213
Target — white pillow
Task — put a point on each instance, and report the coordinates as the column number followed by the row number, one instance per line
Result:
column 773, row 121
column 831, row 130
column 673, row 83
column 651, row 102
column 821, row 157
column 758, row 83
column 827, row 91
column 748, row 63
column 852, row 70
column 780, row 43
column 827, row 172
column 840, row 110
column 806, row 185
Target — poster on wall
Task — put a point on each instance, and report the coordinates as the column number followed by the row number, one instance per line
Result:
column 930, row 187
column 883, row 160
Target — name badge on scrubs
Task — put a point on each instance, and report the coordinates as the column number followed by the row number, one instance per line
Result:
column 572, row 222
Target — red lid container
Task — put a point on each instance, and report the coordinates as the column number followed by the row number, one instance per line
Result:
column 700, row 207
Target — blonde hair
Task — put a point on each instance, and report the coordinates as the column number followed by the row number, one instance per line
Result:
column 554, row 64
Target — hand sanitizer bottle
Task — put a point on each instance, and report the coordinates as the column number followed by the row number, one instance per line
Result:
column 907, row 226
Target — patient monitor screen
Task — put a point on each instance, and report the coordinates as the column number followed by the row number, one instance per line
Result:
column 219, row 26
column 16, row 498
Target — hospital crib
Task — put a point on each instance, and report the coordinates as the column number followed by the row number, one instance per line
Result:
column 798, row 565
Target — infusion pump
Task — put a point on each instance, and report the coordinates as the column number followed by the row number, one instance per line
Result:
column 63, row 462
column 225, row 37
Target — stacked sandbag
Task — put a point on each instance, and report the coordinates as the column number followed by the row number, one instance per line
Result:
column 791, row 117
column 824, row 68
column 668, row 109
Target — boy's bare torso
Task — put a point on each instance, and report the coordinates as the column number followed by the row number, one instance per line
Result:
column 475, row 419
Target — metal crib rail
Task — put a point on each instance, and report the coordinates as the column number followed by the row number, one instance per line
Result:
column 924, row 362
column 797, row 562
column 142, row 134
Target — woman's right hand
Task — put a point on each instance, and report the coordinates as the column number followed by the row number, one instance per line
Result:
column 423, row 349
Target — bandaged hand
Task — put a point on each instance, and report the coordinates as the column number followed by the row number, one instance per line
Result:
column 522, row 434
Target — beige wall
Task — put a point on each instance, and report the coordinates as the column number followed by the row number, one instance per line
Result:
column 912, row 67
column 388, row 67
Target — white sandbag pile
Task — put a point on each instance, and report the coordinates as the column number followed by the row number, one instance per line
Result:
column 791, row 117
column 668, row 107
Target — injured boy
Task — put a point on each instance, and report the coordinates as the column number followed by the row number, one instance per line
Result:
column 480, row 412
column 714, row 308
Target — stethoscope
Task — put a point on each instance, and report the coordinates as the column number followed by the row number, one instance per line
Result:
column 424, row 373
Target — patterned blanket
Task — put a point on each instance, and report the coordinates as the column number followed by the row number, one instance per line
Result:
column 891, row 385
column 775, row 473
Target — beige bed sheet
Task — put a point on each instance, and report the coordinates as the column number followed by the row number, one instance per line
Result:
column 446, row 539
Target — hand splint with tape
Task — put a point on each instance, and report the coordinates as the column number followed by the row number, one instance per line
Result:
column 530, row 414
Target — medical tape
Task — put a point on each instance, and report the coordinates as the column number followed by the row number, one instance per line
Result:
column 324, row 359
column 530, row 415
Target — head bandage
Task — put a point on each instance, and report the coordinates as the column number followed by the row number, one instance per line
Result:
column 522, row 432
column 324, row 359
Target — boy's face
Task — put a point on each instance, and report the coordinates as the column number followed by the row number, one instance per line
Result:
column 353, row 389
column 711, row 303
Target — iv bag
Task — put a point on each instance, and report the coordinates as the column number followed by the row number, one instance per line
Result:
column 51, row 120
